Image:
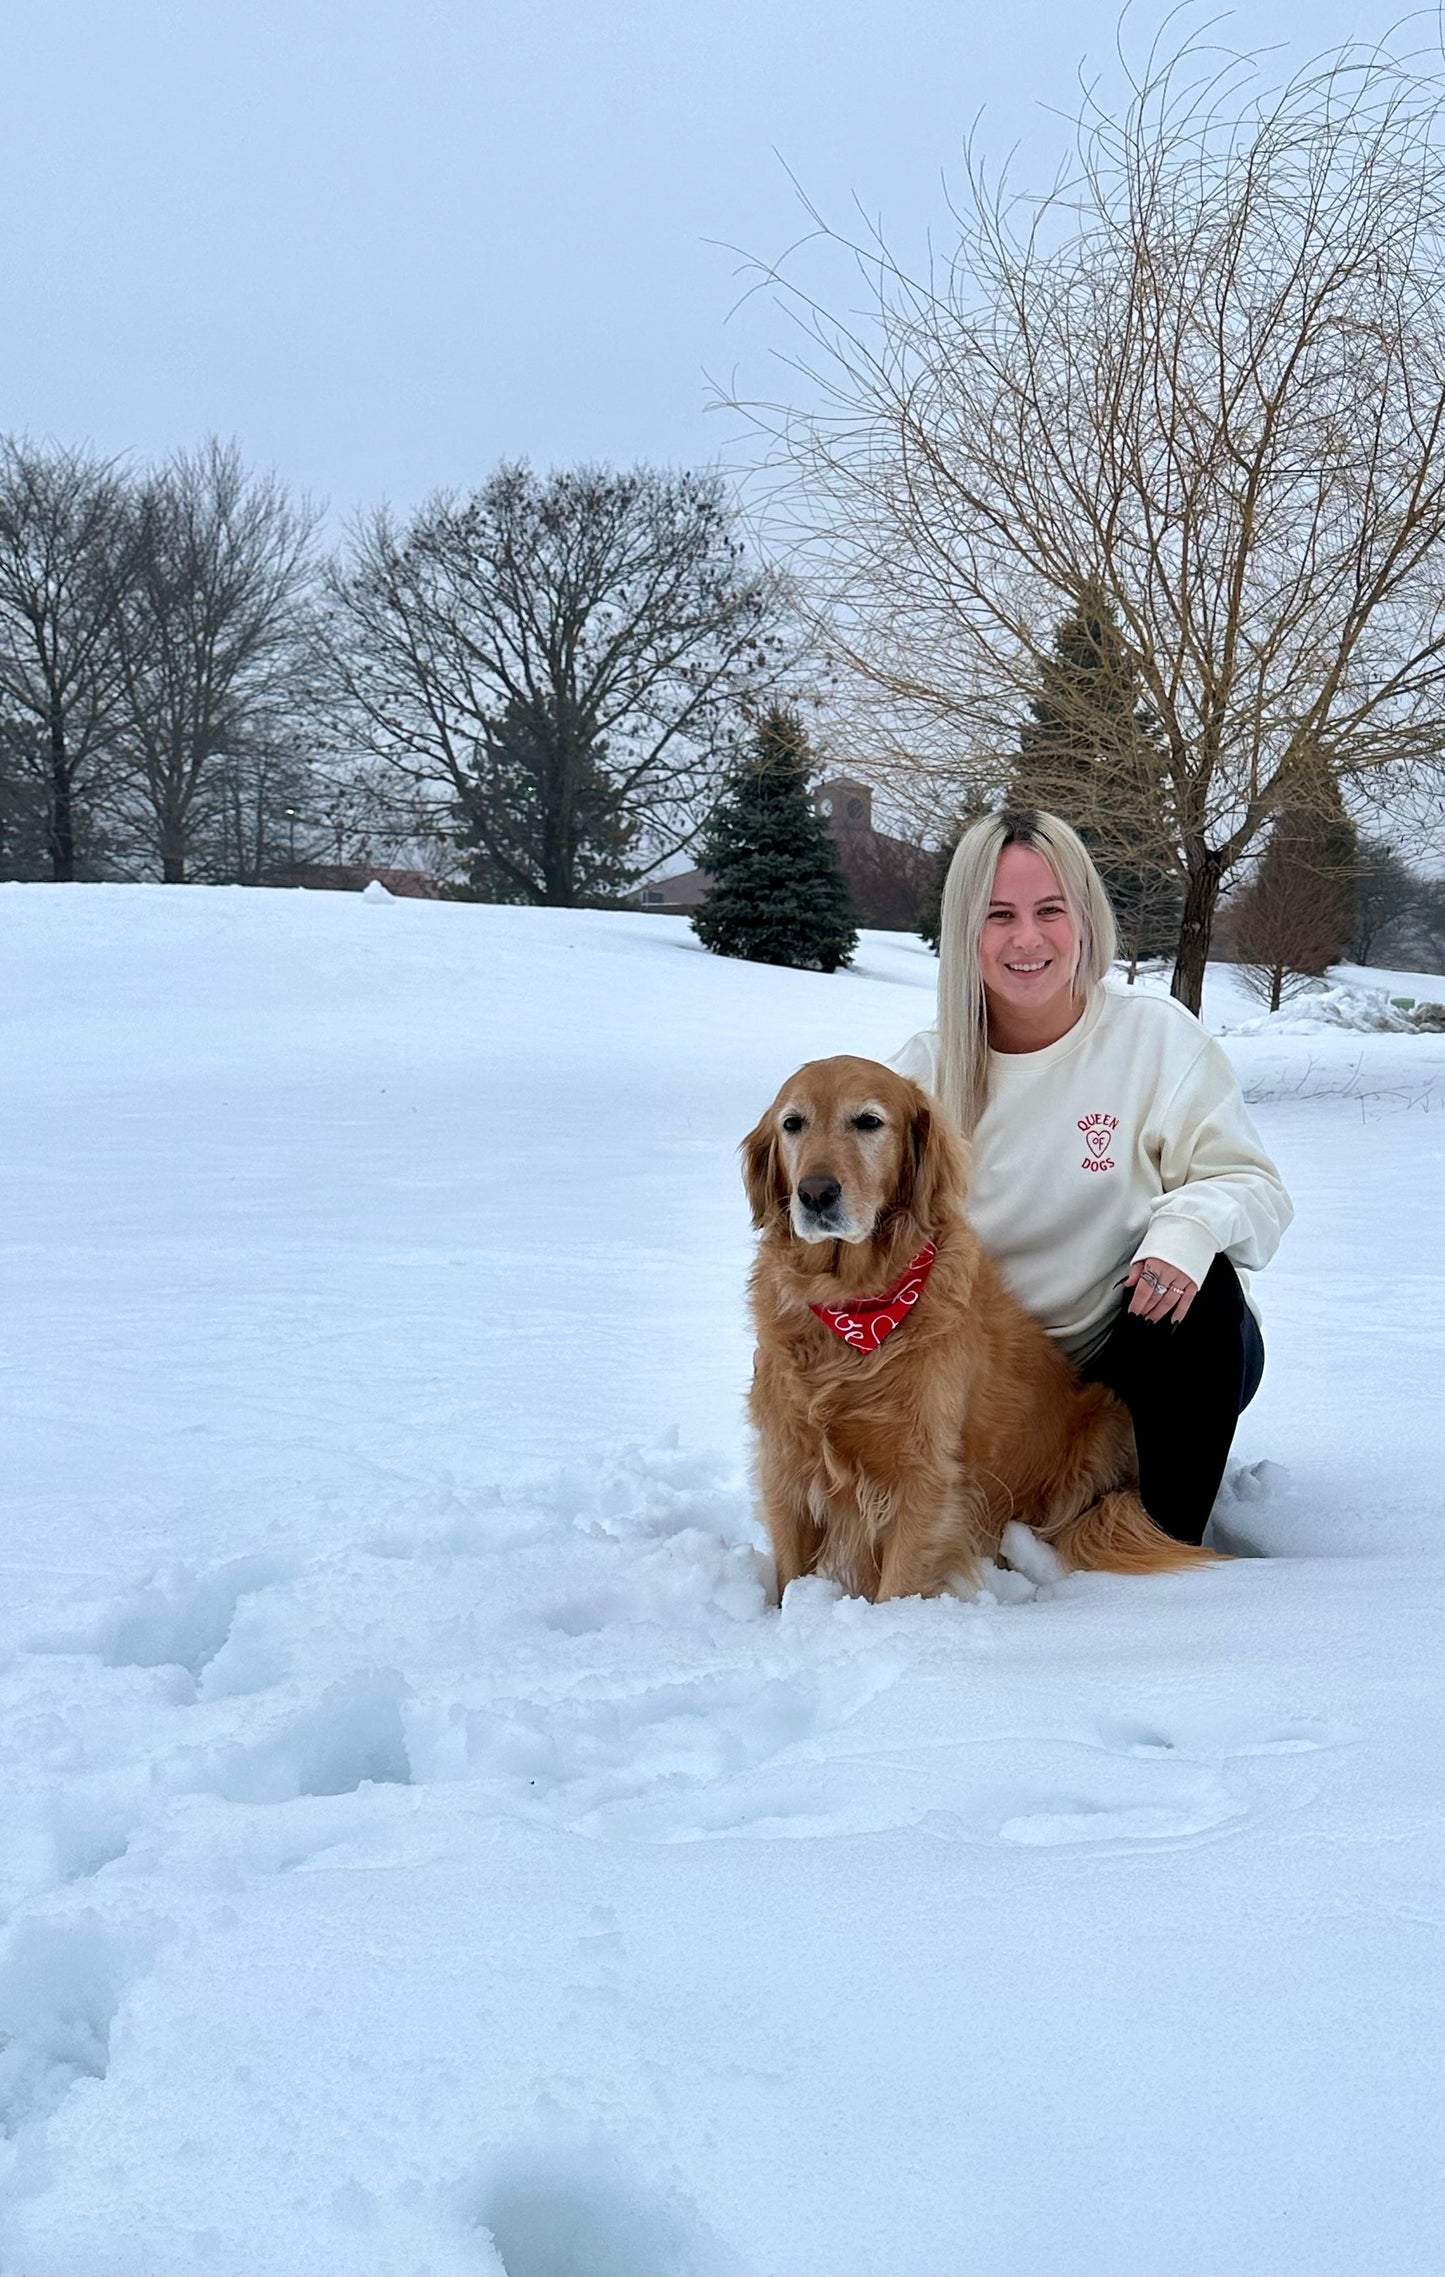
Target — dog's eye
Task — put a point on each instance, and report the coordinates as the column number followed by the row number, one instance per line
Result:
column 867, row 1122
column 792, row 1122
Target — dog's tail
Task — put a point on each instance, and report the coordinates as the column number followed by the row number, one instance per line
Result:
column 1117, row 1535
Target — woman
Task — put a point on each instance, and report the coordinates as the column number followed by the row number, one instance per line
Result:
column 1117, row 1178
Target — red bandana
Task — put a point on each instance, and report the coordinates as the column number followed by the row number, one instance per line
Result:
column 868, row 1320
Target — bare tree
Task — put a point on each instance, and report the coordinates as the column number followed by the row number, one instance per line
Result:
column 1294, row 917
column 209, row 650
column 65, row 560
column 559, row 665
column 1399, row 914
column 24, row 846
column 1385, row 891
column 253, row 803
column 365, row 813
column 1204, row 379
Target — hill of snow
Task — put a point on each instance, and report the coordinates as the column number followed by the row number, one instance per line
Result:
column 426, row 1850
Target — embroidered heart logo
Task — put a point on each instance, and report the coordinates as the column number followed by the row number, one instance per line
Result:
column 1098, row 1143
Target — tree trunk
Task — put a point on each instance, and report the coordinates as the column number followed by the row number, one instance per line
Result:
column 173, row 852
column 1196, row 928
column 1276, row 983
column 61, row 831
column 559, row 833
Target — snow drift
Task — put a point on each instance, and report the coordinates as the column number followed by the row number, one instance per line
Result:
column 428, row 1850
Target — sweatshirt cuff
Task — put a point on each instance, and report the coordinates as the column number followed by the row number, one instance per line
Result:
column 1183, row 1243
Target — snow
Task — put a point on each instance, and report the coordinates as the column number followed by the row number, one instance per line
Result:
column 1347, row 998
column 428, row 1851
column 1364, row 1010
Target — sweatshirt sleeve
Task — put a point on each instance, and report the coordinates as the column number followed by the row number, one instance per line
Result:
column 1222, row 1194
column 918, row 1059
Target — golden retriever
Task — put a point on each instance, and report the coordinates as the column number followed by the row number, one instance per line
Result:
column 893, row 1469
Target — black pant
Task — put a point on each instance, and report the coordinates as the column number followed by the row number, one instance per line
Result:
column 1186, row 1384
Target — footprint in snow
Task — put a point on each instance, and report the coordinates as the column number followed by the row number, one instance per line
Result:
column 355, row 1735
column 1234, row 1521
column 1263, row 1481
column 61, row 1986
column 90, row 1828
column 186, row 1621
column 579, row 2210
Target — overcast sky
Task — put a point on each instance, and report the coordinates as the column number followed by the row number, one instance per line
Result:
column 386, row 243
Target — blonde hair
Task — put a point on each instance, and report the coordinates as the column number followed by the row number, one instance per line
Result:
column 962, row 1010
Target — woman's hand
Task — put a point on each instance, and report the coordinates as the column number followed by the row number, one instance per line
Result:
column 1161, row 1292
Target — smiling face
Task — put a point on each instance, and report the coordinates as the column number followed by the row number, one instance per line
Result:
column 1029, row 945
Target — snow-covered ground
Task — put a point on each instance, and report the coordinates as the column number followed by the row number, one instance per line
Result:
column 425, row 1850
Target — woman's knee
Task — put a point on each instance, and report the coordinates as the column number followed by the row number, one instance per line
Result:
column 1230, row 1304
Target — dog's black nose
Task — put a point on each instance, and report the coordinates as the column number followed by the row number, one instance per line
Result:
column 818, row 1194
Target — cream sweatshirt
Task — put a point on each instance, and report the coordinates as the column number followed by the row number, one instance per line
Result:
column 1127, row 1138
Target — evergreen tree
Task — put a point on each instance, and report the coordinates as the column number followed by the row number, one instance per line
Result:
column 1331, row 844
column 930, row 901
column 1089, row 752
column 778, row 895
column 540, row 829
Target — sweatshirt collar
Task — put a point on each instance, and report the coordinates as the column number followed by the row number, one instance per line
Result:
column 1006, row 1066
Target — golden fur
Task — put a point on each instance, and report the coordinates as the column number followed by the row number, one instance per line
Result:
column 894, row 1470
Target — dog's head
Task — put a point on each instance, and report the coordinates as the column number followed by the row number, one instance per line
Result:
column 847, row 1146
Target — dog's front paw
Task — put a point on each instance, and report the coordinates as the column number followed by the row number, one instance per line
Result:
column 1029, row 1554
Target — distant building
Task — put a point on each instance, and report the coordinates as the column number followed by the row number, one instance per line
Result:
column 355, row 877
column 677, row 896
column 885, row 875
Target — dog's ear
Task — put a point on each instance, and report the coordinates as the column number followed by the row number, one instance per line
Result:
column 935, row 1164
column 762, row 1172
